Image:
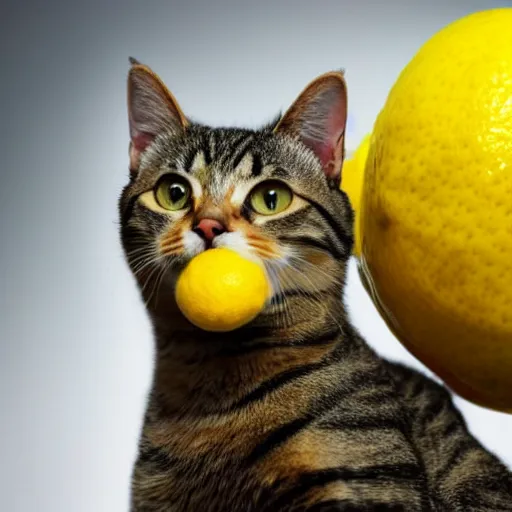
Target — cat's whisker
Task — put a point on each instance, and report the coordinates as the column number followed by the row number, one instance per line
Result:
column 144, row 244
column 276, row 286
column 286, row 279
column 138, row 253
column 318, row 290
column 276, row 292
column 158, row 282
column 141, row 265
column 292, row 283
column 148, row 263
column 313, row 288
column 283, row 315
column 144, row 263
column 139, row 247
column 148, row 280
column 140, row 239
column 316, row 268
column 147, row 255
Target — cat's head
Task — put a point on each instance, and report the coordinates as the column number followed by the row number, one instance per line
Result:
column 270, row 194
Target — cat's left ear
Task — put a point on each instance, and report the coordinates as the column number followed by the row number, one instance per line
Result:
column 152, row 110
column 318, row 118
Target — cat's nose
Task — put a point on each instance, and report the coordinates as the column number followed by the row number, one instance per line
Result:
column 209, row 229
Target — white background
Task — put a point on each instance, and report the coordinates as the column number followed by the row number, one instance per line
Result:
column 75, row 344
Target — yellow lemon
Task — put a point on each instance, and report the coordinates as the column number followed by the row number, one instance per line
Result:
column 219, row 290
column 352, row 184
column 436, row 208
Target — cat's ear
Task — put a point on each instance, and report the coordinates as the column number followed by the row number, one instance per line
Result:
column 152, row 109
column 318, row 118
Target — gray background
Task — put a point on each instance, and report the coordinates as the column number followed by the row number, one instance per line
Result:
column 75, row 345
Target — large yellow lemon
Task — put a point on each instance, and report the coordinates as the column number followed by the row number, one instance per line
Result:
column 436, row 207
column 219, row 290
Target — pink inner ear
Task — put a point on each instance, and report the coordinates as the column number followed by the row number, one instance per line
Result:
column 141, row 141
column 334, row 127
column 323, row 150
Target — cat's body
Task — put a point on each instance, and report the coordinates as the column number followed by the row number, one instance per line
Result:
column 293, row 412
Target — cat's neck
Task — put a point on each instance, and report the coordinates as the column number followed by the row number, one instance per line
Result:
column 198, row 372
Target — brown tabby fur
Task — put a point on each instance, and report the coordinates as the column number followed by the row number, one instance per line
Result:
column 292, row 412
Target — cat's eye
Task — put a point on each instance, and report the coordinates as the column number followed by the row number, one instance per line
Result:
column 173, row 193
column 270, row 197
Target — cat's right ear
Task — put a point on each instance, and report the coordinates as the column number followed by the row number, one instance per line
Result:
column 152, row 110
column 318, row 118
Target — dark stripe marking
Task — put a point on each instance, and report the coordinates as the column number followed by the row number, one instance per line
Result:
column 350, row 506
column 279, row 172
column 189, row 159
column 434, row 407
column 257, row 166
column 418, row 388
column 281, row 380
column 458, row 454
column 156, row 457
column 278, row 437
column 362, row 423
column 281, row 434
column 317, row 243
column 206, row 151
column 280, row 298
column 312, row 341
column 128, row 211
column 240, row 151
column 406, row 472
column 450, row 428
column 345, row 239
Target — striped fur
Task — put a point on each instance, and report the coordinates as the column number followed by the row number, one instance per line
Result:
column 293, row 412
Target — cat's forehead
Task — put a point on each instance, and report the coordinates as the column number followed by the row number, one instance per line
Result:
column 220, row 158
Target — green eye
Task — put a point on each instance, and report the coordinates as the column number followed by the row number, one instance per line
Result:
column 173, row 193
column 270, row 197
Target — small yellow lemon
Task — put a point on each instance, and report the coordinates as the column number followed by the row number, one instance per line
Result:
column 352, row 185
column 436, row 208
column 219, row 290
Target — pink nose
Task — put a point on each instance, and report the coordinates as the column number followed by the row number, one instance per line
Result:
column 209, row 229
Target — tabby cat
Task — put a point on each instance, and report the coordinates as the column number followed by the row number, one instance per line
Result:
column 294, row 411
